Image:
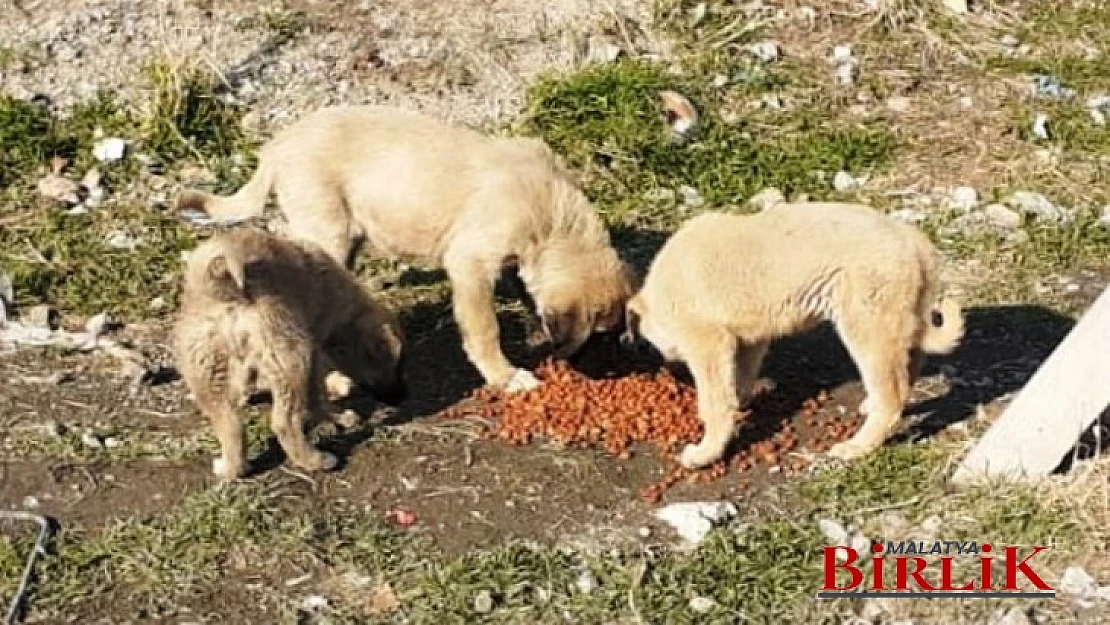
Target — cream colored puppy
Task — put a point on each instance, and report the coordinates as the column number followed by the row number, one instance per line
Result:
column 259, row 306
column 724, row 286
column 414, row 186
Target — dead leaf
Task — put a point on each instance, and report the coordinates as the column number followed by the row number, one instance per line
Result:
column 383, row 600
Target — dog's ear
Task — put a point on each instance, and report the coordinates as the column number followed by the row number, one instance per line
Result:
column 226, row 276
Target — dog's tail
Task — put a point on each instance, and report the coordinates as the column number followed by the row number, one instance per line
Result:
column 248, row 201
column 943, row 338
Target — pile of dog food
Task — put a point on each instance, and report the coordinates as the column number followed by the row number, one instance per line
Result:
column 614, row 414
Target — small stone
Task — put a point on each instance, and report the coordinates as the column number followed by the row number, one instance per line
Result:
column 1001, row 216
column 30, row 502
column 967, row 102
column 1077, row 581
column 112, row 442
column 766, row 51
column 645, row 532
column 1037, row 204
column 91, row 440
column 1010, row 41
column 843, row 181
column 846, row 73
column 893, row 524
column 314, row 603
column 908, row 215
column 110, row 150
column 54, row 429
column 690, row 196
column 1040, row 126
column 158, row 303
column 702, row 605
column 483, row 602
column 698, row 13
column 586, row 582
column 898, row 104
column 767, row 198
column 1104, row 219
column 842, row 53
column 120, row 240
column 600, row 49
column 964, row 199
column 959, row 7
column 834, row 532
column 59, row 189
column 1048, row 86
column 1099, row 106
column 932, row 525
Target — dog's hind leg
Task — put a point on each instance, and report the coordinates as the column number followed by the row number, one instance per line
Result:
column 207, row 377
column 711, row 357
column 748, row 362
column 882, row 358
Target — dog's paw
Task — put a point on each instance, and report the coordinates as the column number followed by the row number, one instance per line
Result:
column 347, row 419
column 698, row 456
column 338, row 386
column 224, row 470
column 522, row 380
column 848, row 451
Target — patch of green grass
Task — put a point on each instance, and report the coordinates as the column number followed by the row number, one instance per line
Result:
column 188, row 119
column 31, row 135
column 283, row 25
column 66, row 260
column 907, row 475
column 607, row 121
column 13, row 558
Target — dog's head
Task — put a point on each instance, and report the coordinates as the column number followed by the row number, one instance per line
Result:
column 585, row 297
column 371, row 350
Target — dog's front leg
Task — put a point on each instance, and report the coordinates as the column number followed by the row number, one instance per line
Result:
column 476, row 316
column 711, row 357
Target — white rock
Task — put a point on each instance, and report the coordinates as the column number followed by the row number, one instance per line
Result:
column 964, row 198
column 1010, row 41
column 1040, row 126
column 645, row 531
column 1038, row 205
column 766, row 51
column 958, row 7
column 1078, row 582
column 121, row 240
column 766, row 198
column 586, row 582
column 932, row 525
column 846, row 73
column 112, row 442
column 899, row 104
column 693, row 520
column 893, row 524
column 690, row 196
column 30, row 502
column 702, row 605
column 314, row 603
column 908, row 215
column 1098, row 106
column 967, row 102
column 843, row 181
column 483, row 602
column 833, row 531
column 842, row 53
column 1001, row 216
column 110, row 150
column 91, row 440
column 1104, row 219
column 600, row 49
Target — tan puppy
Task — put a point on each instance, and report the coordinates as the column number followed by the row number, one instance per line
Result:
column 414, row 186
column 723, row 287
column 258, row 305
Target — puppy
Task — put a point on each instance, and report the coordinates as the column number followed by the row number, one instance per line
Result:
column 259, row 306
column 724, row 286
column 416, row 187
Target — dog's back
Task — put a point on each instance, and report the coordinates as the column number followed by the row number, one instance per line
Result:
column 784, row 269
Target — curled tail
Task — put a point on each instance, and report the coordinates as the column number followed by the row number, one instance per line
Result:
column 247, row 202
column 943, row 338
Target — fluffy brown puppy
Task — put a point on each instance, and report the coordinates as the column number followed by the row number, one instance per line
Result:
column 724, row 286
column 259, row 306
column 416, row 187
